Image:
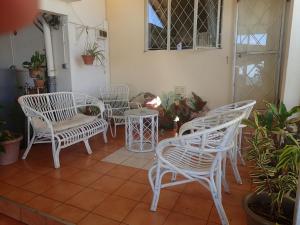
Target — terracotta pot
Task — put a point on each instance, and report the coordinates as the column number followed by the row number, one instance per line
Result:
column 255, row 219
column 39, row 83
column 12, row 149
column 88, row 59
column 35, row 73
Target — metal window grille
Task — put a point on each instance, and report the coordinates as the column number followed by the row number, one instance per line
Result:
column 183, row 24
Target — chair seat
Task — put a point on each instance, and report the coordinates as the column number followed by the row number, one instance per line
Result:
column 75, row 121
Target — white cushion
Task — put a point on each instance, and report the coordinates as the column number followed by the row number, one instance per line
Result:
column 76, row 121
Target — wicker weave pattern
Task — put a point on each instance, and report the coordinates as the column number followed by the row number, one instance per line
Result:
column 46, row 112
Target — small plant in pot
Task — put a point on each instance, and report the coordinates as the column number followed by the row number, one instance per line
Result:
column 9, row 145
column 91, row 53
column 274, row 156
column 39, row 82
column 36, row 64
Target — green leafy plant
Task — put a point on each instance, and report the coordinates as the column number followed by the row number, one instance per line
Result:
column 36, row 62
column 93, row 49
column 274, row 156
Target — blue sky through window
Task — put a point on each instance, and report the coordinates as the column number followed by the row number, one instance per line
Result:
column 153, row 17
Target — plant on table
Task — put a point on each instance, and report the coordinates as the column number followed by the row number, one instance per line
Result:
column 36, row 64
column 274, row 156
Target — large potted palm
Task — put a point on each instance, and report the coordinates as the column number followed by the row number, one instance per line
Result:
column 274, row 156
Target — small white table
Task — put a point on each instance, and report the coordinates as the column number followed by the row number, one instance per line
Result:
column 141, row 129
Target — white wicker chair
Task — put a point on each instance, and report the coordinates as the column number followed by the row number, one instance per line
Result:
column 245, row 106
column 197, row 157
column 116, row 99
column 55, row 118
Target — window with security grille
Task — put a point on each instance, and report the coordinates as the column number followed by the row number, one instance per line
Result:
column 183, row 24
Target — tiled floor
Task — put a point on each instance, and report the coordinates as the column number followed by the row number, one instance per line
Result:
column 88, row 191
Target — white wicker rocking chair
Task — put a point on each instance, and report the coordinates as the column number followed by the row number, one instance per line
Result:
column 55, row 118
column 116, row 99
column 197, row 157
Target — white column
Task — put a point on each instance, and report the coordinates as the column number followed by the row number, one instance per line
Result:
column 49, row 50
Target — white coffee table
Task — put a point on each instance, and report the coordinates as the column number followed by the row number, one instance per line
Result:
column 141, row 130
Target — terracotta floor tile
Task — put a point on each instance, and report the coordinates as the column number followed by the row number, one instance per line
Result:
column 179, row 219
column 69, row 213
column 29, row 216
column 192, row 205
column 178, row 188
column 88, row 199
column 20, row 196
column 141, row 215
column 107, row 184
column 41, row 184
column 82, row 162
column 93, row 219
column 99, row 155
column 35, row 166
column 123, row 172
column 63, row 172
column 10, row 209
column 140, row 177
column 132, row 190
column 236, row 215
column 21, row 178
column 84, row 177
column 167, row 199
column 235, row 197
column 198, row 190
column 102, row 167
column 8, row 171
column 5, row 220
column 62, row 191
column 43, row 204
column 5, row 188
column 115, row 207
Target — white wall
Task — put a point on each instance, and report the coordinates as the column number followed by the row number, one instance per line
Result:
column 291, row 81
column 205, row 72
column 87, row 79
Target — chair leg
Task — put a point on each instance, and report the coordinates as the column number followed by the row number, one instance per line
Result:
column 224, row 181
column 113, row 129
column 240, row 136
column 105, row 137
column 174, row 177
column 87, row 146
column 156, row 191
column 218, row 204
column 233, row 161
column 55, row 153
column 28, row 147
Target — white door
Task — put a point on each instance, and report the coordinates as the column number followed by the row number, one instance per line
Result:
column 258, row 50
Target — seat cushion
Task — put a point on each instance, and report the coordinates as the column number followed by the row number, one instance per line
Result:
column 75, row 121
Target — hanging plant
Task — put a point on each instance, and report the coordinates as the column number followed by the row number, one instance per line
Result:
column 91, row 53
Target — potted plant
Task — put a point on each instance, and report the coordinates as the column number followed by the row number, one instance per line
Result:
column 274, row 156
column 35, row 65
column 39, row 82
column 92, row 52
column 9, row 145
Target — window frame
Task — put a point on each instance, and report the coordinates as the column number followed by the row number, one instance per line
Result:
column 220, row 18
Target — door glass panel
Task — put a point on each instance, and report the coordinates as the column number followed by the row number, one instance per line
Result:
column 257, row 50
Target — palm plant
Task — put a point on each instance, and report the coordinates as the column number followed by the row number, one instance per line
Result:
column 274, row 154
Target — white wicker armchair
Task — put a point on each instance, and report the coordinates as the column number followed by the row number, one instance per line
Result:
column 56, row 118
column 116, row 99
column 197, row 157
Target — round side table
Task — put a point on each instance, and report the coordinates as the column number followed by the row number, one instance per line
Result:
column 141, row 129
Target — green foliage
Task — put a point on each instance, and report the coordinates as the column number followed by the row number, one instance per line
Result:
column 93, row 49
column 36, row 62
column 274, row 154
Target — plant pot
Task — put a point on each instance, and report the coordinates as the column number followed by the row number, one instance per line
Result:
column 39, row 83
column 88, row 59
column 255, row 219
column 12, row 149
column 35, row 73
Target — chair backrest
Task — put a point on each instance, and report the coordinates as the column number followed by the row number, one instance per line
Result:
column 55, row 107
column 117, row 96
column 245, row 106
column 215, row 134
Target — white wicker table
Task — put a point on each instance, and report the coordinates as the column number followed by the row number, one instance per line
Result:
column 141, row 129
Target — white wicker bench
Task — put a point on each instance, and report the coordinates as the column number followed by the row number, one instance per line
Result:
column 56, row 118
